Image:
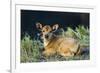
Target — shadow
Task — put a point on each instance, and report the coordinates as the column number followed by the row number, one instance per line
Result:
column 8, row 70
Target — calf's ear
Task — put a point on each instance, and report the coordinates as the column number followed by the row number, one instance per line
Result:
column 55, row 27
column 38, row 25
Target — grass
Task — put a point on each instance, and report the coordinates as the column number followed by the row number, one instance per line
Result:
column 31, row 48
column 80, row 33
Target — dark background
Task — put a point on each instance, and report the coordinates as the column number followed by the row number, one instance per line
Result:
column 65, row 19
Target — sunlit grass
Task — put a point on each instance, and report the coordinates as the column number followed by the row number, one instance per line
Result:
column 30, row 49
column 80, row 33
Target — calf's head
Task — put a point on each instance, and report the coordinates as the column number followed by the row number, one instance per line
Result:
column 46, row 30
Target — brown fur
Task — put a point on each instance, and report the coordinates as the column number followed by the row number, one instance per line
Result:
column 65, row 47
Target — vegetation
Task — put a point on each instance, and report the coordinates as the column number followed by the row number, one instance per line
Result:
column 31, row 48
column 80, row 33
